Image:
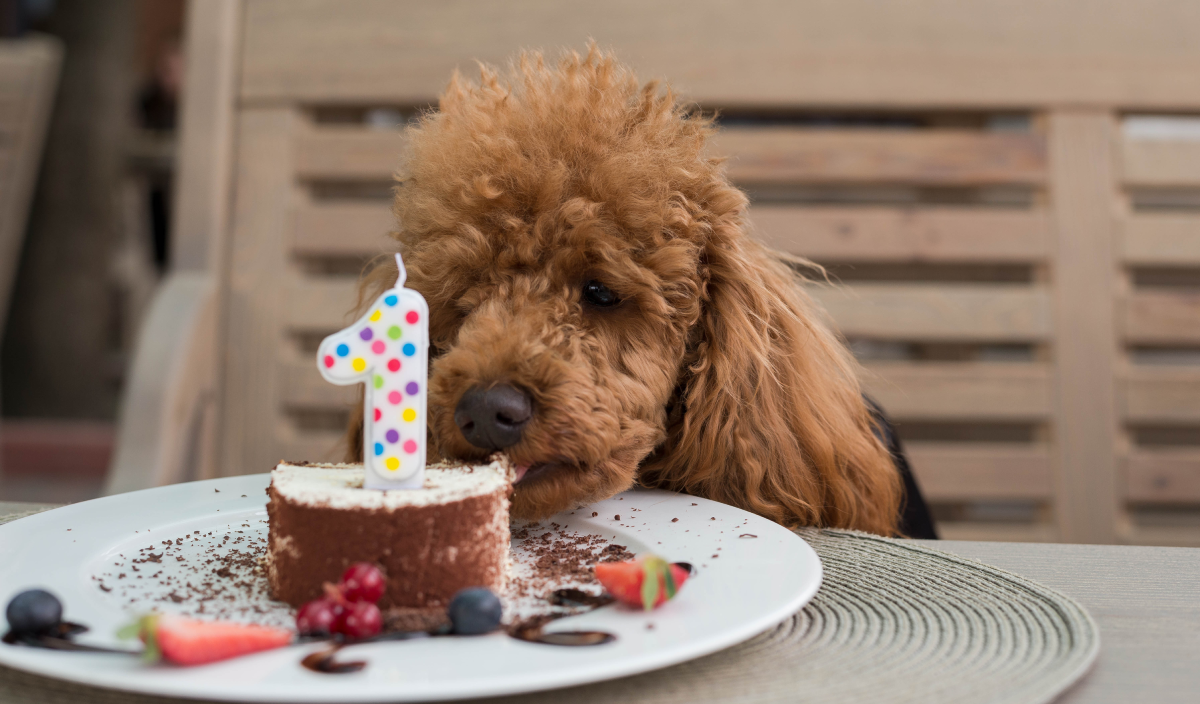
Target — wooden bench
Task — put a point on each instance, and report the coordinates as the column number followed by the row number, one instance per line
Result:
column 1017, row 257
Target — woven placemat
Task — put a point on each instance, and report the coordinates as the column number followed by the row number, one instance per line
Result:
column 893, row 622
column 11, row 511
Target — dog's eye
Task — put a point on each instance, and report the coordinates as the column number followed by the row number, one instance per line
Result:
column 598, row 294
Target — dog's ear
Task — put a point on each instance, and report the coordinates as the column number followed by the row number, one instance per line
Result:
column 768, row 414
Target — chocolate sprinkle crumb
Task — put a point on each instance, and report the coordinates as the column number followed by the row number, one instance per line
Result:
column 557, row 559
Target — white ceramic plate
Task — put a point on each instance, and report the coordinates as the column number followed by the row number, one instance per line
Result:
column 752, row 585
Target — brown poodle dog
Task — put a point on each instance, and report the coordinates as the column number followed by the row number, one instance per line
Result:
column 599, row 312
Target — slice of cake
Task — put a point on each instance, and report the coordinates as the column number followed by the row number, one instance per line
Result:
column 430, row 542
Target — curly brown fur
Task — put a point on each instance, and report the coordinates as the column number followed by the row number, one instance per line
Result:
column 714, row 375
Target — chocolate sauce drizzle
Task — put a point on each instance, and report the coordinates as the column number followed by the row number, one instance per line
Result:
column 532, row 630
column 324, row 661
column 59, row 638
column 575, row 638
column 577, row 598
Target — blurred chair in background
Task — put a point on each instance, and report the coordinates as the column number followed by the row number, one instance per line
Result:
column 86, row 269
column 1014, row 245
column 29, row 69
column 28, row 73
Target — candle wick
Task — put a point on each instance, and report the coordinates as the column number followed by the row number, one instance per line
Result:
column 401, row 272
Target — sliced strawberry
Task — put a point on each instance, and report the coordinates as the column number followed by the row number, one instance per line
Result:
column 622, row 580
column 644, row 583
column 185, row 641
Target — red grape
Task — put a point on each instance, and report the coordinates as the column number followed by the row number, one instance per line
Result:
column 361, row 619
column 363, row 581
column 317, row 617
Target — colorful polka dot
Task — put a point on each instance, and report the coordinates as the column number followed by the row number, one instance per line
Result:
column 328, row 360
column 394, row 397
column 393, row 463
column 378, row 449
column 410, row 414
column 366, row 333
column 393, row 365
column 390, row 300
column 409, row 349
column 378, row 415
column 378, row 382
column 392, row 436
column 394, row 332
column 411, row 389
column 343, row 350
column 359, row 364
column 378, row 347
column 411, row 317
column 410, row 446
column 375, row 316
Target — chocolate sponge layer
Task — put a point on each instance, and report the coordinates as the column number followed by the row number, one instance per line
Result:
column 428, row 553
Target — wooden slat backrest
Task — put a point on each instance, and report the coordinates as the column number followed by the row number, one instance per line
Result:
column 994, row 212
column 1158, row 320
column 923, row 53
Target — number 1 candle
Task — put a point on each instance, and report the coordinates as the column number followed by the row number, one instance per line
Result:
column 387, row 349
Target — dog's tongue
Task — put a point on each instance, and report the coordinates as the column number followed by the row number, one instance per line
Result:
column 521, row 470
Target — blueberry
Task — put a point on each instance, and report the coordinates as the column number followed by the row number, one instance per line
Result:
column 33, row 611
column 475, row 611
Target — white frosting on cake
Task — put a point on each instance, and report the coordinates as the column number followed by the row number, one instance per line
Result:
column 340, row 486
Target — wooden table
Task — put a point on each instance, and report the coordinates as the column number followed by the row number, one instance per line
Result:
column 1145, row 599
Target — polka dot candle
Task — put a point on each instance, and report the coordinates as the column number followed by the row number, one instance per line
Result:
column 387, row 351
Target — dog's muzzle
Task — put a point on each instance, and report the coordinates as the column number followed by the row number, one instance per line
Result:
column 493, row 418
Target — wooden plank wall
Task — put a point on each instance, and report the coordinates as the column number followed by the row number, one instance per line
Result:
column 295, row 258
column 942, row 290
column 1158, row 319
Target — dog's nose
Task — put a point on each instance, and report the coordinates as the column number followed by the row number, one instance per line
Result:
column 493, row 418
